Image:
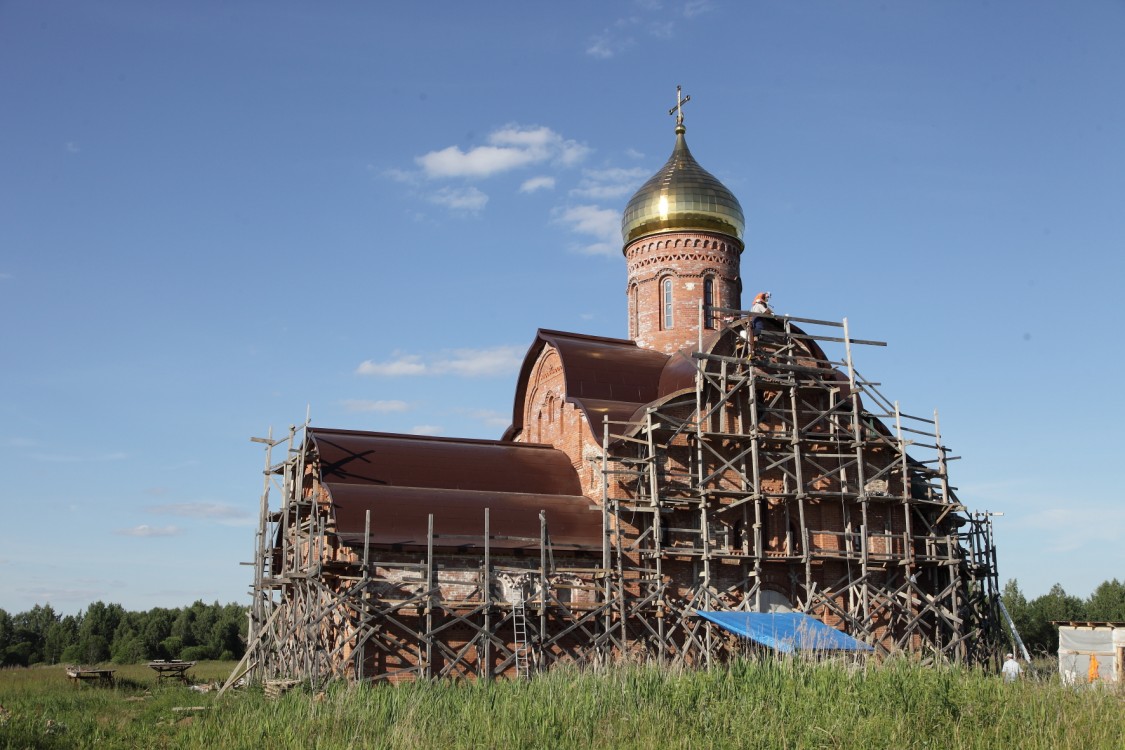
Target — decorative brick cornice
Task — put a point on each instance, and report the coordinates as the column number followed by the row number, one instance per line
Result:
column 659, row 273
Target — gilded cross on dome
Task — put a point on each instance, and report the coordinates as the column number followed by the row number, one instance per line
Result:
column 678, row 110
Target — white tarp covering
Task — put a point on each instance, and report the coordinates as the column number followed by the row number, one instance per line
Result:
column 1078, row 644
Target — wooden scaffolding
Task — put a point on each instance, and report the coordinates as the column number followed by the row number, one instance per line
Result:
column 456, row 609
column 787, row 479
column 782, row 478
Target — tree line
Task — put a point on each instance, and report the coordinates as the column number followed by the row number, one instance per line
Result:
column 107, row 632
column 1033, row 617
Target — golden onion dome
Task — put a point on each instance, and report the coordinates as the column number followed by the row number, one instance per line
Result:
column 682, row 196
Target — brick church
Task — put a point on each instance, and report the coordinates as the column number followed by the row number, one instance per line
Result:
column 704, row 487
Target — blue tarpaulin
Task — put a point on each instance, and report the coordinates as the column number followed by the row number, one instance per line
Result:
column 785, row 631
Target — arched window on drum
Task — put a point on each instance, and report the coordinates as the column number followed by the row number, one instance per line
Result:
column 667, row 320
column 709, row 301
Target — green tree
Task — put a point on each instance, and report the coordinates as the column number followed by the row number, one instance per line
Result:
column 127, row 646
column 1107, row 603
column 107, row 631
column 95, row 633
column 1018, row 610
column 18, row 654
column 182, row 627
column 60, row 634
column 204, row 622
column 171, row 647
column 29, row 632
column 1054, row 606
column 226, row 638
column 5, row 631
column 72, row 654
column 157, row 626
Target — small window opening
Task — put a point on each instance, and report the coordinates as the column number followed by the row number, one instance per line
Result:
column 667, row 291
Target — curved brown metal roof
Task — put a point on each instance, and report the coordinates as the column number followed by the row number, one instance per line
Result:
column 615, row 378
column 603, row 376
column 385, row 459
column 679, row 373
column 607, row 369
column 403, row 479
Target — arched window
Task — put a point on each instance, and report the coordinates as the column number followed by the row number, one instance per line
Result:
column 634, row 309
column 708, row 302
column 666, row 303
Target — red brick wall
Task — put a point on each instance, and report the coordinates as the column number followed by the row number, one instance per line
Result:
column 687, row 258
column 548, row 418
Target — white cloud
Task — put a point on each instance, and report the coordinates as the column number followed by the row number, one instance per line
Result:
column 572, row 153
column 510, row 147
column 489, row 417
column 604, row 46
column 405, row 364
column 69, row 458
column 599, row 248
column 19, row 442
column 383, row 407
column 534, row 139
column 483, row 161
column 472, row 363
column 467, row 199
column 144, row 530
column 72, row 147
column 55, row 594
column 216, row 511
column 600, row 222
column 400, row 175
column 607, row 184
column 475, row 363
column 693, row 8
column 181, row 465
column 603, row 224
column 537, row 183
column 651, row 20
column 1077, row 526
column 426, row 429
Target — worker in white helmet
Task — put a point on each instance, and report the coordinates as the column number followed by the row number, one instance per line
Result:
column 761, row 305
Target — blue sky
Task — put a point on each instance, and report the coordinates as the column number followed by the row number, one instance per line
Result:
column 214, row 216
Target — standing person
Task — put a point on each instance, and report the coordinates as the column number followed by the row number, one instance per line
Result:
column 761, row 305
column 1011, row 669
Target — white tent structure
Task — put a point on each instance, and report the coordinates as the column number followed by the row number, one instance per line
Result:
column 1092, row 652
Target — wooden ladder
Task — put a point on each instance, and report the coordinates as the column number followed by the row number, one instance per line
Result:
column 522, row 648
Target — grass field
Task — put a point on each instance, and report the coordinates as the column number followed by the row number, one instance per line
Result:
column 782, row 704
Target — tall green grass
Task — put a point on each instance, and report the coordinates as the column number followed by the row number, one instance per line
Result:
column 748, row 704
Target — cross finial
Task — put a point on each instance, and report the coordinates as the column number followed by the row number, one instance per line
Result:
column 678, row 110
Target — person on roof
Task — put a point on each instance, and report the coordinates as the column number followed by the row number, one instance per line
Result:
column 761, row 306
